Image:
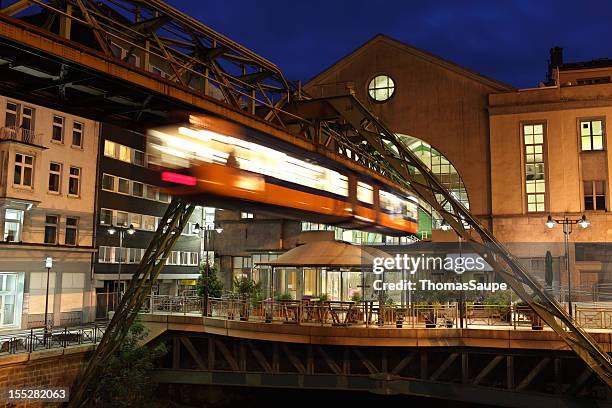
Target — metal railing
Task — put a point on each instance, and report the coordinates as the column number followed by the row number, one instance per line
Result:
column 18, row 134
column 173, row 304
column 38, row 339
column 593, row 317
column 371, row 313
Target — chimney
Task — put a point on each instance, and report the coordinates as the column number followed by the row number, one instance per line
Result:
column 556, row 60
column 556, row 57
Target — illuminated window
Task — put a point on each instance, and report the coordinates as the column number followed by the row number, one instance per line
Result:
column 136, row 221
column 535, row 182
column 441, row 167
column 110, row 149
column 148, row 223
column 365, row 193
column 392, row 204
column 381, row 88
column 591, row 135
column 125, row 154
column 209, row 217
column 13, row 224
column 246, row 215
column 595, row 195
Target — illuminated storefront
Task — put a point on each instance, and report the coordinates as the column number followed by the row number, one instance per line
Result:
column 333, row 269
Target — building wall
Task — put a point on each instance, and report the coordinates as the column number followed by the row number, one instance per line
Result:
column 434, row 100
column 70, row 294
column 566, row 167
column 106, row 273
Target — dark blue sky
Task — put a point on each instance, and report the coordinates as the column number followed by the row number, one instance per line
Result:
column 505, row 40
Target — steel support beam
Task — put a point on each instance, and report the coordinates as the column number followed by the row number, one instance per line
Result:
column 170, row 227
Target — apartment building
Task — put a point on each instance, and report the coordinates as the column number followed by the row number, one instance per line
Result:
column 47, row 165
column 130, row 206
column 550, row 156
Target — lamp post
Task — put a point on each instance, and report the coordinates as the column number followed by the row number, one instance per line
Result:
column 121, row 230
column 568, row 224
column 204, row 233
column 48, row 265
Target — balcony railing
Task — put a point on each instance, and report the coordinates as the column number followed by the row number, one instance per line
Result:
column 371, row 313
column 38, row 339
column 18, row 134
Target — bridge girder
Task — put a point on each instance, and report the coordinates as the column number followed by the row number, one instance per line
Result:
column 160, row 39
column 497, row 377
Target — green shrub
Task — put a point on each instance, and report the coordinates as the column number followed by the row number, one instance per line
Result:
column 215, row 287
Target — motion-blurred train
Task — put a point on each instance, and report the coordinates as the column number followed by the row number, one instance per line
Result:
column 217, row 163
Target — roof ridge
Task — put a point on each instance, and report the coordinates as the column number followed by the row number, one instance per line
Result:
column 444, row 62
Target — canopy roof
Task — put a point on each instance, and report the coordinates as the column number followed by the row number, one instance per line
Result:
column 328, row 254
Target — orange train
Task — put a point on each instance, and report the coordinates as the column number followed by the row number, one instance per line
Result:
column 218, row 166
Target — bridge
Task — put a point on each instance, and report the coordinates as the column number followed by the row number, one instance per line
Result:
column 485, row 363
column 97, row 60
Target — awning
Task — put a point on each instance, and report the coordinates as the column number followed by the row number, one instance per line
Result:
column 327, row 254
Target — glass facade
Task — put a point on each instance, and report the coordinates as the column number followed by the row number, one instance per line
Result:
column 446, row 172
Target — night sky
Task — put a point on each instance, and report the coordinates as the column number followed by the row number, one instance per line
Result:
column 509, row 43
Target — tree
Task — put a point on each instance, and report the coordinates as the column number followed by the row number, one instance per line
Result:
column 548, row 271
column 124, row 381
column 215, row 287
column 246, row 287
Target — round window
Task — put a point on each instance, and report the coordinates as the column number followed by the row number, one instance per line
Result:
column 381, row 88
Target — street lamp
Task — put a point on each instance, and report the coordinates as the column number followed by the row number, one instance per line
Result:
column 48, row 265
column 444, row 226
column 204, row 233
column 568, row 224
column 122, row 230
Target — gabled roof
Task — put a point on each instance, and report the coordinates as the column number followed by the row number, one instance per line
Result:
column 434, row 59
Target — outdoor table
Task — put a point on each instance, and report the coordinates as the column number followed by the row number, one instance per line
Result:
column 314, row 311
column 290, row 310
column 340, row 312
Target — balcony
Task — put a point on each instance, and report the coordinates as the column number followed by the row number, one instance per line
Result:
column 18, row 134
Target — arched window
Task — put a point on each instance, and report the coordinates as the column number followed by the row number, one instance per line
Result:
column 441, row 167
